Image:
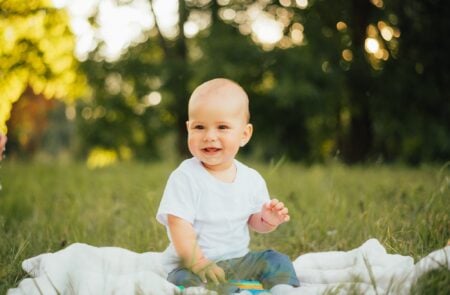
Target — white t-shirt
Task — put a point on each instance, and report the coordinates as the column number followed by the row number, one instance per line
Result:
column 218, row 211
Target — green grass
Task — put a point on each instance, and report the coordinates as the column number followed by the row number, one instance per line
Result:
column 45, row 207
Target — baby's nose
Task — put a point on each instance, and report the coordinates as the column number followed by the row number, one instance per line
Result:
column 210, row 135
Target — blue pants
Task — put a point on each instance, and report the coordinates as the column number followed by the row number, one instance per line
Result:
column 269, row 267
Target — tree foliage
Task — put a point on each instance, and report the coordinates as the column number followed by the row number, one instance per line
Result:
column 318, row 91
column 121, row 113
column 36, row 51
column 362, row 80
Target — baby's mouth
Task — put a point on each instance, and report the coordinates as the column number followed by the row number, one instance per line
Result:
column 211, row 149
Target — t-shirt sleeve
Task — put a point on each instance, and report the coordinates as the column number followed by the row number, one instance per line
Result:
column 261, row 194
column 178, row 198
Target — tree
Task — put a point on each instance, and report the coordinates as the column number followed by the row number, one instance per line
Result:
column 36, row 53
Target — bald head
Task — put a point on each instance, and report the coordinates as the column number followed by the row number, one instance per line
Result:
column 220, row 90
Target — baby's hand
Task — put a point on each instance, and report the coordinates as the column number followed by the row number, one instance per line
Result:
column 207, row 269
column 274, row 213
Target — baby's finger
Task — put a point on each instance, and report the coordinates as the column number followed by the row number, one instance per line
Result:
column 274, row 203
column 279, row 206
column 287, row 218
column 202, row 276
column 283, row 211
column 210, row 273
column 220, row 274
column 270, row 204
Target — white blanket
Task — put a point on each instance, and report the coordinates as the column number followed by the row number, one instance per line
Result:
column 84, row 269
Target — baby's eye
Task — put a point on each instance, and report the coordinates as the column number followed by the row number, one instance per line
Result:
column 224, row 127
column 198, row 127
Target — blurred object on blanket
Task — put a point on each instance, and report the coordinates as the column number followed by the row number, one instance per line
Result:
column 253, row 287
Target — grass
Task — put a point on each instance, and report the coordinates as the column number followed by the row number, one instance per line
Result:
column 44, row 207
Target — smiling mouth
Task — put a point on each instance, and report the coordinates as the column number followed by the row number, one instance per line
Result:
column 211, row 150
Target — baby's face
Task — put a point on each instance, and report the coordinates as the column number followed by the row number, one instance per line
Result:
column 218, row 127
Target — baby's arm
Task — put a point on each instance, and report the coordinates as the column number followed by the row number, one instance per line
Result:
column 184, row 240
column 272, row 214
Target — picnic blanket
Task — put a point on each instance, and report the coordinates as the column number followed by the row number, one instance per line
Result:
column 84, row 269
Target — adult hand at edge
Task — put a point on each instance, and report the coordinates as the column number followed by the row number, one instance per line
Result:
column 3, row 140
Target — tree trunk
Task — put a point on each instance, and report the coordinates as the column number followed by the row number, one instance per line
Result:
column 357, row 141
column 177, row 63
column 180, row 81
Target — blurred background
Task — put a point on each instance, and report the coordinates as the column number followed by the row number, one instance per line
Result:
column 103, row 81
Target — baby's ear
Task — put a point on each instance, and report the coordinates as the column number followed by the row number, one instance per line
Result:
column 247, row 134
column 187, row 125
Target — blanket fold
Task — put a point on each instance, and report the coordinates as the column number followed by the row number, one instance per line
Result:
column 84, row 269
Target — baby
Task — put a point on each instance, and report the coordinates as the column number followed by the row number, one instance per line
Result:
column 212, row 200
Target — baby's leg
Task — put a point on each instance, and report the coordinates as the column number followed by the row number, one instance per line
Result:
column 278, row 270
column 193, row 284
column 269, row 267
column 184, row 277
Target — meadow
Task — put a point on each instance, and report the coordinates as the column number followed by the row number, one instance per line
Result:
column 45, row 207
